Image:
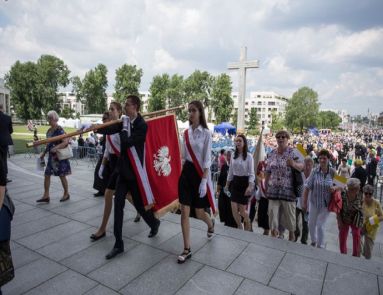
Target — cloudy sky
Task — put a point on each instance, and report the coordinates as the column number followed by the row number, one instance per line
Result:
column 332, row 46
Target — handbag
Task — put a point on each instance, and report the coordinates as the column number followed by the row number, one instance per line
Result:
column 7, row 271
column 64, row 153
column 335, row 204
column 297, row 182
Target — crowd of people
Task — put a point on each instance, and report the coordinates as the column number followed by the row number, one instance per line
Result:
column 281, row 191
column 303, row 209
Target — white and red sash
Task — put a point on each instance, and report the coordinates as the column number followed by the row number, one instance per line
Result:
column 198, row 166
column 141, row 174
column 115, row 149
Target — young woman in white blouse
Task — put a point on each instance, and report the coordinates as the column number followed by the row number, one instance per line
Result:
column 110, row 158
column 194, row 185
column 241, row 174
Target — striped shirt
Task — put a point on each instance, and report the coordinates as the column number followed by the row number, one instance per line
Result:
column 319, row 184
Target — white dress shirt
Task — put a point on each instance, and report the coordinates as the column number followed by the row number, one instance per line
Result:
column 115, row 139
column 240, row 167
column 200, row 141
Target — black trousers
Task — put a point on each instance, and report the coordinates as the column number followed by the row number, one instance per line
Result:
column 123, row 187
column 305, row 228
column 4, row 157
column 370, row 179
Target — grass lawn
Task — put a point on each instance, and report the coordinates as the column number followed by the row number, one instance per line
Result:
column 40, row 129
column 20, row 140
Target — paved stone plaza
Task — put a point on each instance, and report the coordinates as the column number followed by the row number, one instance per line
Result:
column 53, row 254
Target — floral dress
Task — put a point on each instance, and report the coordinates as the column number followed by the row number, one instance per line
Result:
column 55, row 166
column 280, row 184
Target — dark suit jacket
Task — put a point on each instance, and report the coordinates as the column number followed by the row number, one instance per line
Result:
column 137, row 139
column 5, row 130
column 361, row 174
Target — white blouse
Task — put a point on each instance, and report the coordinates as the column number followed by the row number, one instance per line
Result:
column 240, row 167
column 115, row 139
column 200, row 141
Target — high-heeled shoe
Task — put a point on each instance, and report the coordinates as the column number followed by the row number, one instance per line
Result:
column 63, row 199
column 43, row 200
column 186, row 254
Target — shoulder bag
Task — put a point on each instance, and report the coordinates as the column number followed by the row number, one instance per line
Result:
column 297, row 181
column 64, row 153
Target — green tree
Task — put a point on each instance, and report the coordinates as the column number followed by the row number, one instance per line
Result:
column 52, row 74
column 253, row 123
column 234, row 117
column 92, row 89
column 34, row 86
column 302, row 109
column 67, row 113
column 158, row 91
column 198, row 87
column 328, row 119
column 128, row 80
column 77, row 88
column 176, row 95
column 221, row 100
column 277, row 121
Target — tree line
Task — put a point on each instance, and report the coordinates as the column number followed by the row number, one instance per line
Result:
column 34, row 89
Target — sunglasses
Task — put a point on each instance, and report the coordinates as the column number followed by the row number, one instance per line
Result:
column 368, row 194
column 280, row 137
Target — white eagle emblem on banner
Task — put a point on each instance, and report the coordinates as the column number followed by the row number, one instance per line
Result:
column 162, row 161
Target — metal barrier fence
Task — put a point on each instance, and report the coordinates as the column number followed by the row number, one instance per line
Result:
column 88, row 154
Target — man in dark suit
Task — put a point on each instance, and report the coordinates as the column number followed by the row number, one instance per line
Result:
column 6, row 130
column 132, row 134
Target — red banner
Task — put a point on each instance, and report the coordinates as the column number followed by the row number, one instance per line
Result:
column 163, row 160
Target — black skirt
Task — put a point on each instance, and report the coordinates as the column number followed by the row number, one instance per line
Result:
column 113, row 174
column 188, row 186
column 238, row 188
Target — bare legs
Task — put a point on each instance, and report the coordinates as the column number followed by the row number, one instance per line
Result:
column 47, row 184
column 239, row 210
column 109, row 193
column 64, row 183
column 185, row 225
column 107, row 209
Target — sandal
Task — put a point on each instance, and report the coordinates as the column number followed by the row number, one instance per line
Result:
column 186, row 254
column 210, row 231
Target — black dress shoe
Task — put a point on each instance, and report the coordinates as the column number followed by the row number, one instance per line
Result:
column 9, row 180
column 114, row 252
column 64, row 199
column 98, row 194
column 137, row 219
column 154, row 230
column 95, row 238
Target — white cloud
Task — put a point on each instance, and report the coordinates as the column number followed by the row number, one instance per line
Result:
column 341, row 60
column 163, row 61
column 367, row 43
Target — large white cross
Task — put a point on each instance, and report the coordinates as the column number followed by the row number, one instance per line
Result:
column 242, row 66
